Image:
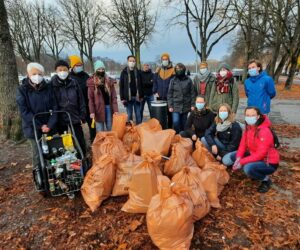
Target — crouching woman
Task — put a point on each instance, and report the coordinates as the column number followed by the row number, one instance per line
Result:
column 257, row 154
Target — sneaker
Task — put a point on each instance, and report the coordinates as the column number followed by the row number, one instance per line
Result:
column 264, row 186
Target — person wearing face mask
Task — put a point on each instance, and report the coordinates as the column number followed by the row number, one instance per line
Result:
column 131, row 89
column 200, row 119
column 78, row 74
column 102, row 97
column 162, row 78
column 36, row 96
column 225, row 90
column 204, row 81
column 223, row 136
column 259, row 87
column 147, row 83
column 181, row 97
column 257, row 154
column 69, row 98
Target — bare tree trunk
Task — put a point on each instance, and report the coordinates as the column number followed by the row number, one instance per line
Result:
column 138, row 57
column 290, row 79
column 10, row 122
column 272, row 65
column 280, row 67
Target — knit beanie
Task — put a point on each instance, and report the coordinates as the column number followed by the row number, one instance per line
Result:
column 74, row 60
column 99, row 64
column 61, row 63
column 224, row 65
column 165, row 55
column 203, row 65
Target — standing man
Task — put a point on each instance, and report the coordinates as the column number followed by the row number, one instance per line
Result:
column 162, row 79
column 203, row 82
column 77, row 73
column 259, row 87
column 69, row 98
column 147, row 85
column 131, row 91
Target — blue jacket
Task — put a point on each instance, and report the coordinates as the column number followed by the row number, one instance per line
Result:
column 260, row 90
column 32, row 101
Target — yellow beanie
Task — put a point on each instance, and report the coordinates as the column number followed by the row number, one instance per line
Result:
column 165, row 55
column 74, row 60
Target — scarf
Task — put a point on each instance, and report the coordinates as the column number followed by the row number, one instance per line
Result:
column 204, row 77
column 222, row 83
column 221, row 127
column 102, row 81
column 136, row 82
column 167, row 72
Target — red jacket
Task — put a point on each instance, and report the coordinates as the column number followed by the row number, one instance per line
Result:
column 96, row 100
column 259, row 142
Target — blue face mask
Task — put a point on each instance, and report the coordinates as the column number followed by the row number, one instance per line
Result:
column 252, row 72
column 250, row 120
column 200, row 106
column 78, row 69
column 223, row 115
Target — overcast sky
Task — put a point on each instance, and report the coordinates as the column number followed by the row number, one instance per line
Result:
column 173, row 40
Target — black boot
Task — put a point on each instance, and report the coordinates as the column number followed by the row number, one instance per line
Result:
column 264, row 186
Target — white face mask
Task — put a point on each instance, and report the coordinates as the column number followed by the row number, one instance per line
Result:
column 203, row 71
column 223, row 73
column 131, row 65
column 165, row 63
column 36, row 79
column 63, row 75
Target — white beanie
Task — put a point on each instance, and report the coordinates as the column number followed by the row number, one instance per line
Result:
column 35, row 65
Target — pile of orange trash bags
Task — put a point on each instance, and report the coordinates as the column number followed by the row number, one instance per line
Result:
column 164, row 178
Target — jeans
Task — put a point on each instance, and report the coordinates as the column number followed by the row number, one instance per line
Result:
column 148, row 99
column 108, row 120
column 228, row 159
column 136, row 105
column 35, row 154
column 179, row 120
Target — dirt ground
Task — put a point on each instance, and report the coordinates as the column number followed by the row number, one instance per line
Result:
column 247, row 219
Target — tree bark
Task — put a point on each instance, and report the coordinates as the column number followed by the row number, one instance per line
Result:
column 280, row 67
column 10, row 122
column 291, row 75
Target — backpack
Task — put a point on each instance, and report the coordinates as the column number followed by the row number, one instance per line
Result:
column 275, row 138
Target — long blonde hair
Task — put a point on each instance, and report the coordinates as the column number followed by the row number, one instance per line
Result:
column 230, row 113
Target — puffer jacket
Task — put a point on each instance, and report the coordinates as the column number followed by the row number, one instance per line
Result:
column 259, row 142
column 96, row 100
column 181, row 94
column 32, row 101
column 69, row 98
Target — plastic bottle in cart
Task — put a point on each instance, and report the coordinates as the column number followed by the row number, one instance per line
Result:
column 45, row 147
column 68, row 141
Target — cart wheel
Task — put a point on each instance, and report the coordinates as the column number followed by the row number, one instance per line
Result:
column 71, row 196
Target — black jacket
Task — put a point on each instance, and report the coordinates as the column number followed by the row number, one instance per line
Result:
column 32, row 101
column 147, row 82
column 81, row 79
column 69, row 98
column 198, row 122
column 125, row 85
column 181, row 95
column 230, row 138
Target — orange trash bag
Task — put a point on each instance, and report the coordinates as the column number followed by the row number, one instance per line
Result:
column 170, row 216
column 190, row 177
column 124, row 173
column 187, row 143
column 159, row 141
column 107, row 143
column 143, row 184
column 99, row 181
column 119, row 124
column 208, row 178
column 131, row 139
column 177, row 160
column 152, row 124
column 201, row 155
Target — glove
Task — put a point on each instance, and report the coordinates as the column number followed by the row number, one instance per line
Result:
column 237, row 165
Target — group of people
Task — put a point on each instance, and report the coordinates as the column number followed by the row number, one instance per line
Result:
column 201, row 109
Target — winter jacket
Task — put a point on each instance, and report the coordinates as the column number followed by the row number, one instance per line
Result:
column 230, row 137
column 162, row 80
column 69, row 98
column 181, row 94
column 147, row 82
column 125, row 85
column 198, row 122
column 231, row 98
column 259, row 143
column 204, row 85
column 96, row 99
column 32, row 101
column 260, row 90
column 81, row 79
